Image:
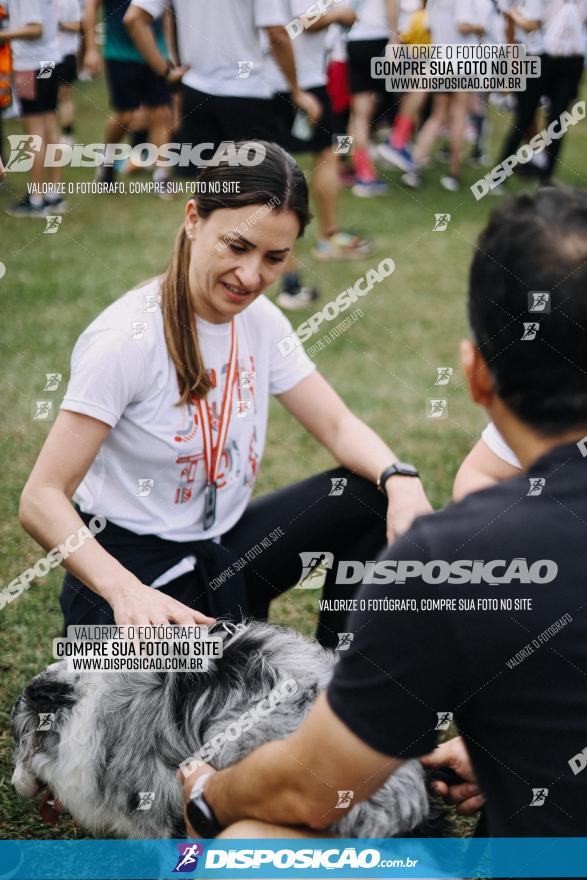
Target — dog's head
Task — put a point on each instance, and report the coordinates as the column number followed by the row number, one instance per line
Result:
column 38, row 715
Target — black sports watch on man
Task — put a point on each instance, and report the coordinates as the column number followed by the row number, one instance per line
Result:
column 200, row 813
column 400, row 468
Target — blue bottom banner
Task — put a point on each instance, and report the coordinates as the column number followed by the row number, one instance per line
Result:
column 336, row 857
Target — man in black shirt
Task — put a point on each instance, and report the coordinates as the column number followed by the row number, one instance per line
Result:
column 493, row 632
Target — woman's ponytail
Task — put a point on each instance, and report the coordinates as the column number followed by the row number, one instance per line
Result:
column 179, row 322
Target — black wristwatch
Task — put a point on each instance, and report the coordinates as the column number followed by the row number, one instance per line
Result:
column 200, row 813
column 400, row 468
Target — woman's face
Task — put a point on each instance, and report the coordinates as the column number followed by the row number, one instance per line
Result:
column 235, row 257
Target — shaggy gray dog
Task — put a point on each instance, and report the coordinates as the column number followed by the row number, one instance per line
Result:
column 118, row 734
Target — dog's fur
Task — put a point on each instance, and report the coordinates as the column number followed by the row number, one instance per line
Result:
column 117, row 734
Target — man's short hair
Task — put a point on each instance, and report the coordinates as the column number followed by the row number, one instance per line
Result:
column 535, row 244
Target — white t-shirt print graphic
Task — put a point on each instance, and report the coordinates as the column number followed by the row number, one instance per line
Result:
column 234, row 465
column 149, row 476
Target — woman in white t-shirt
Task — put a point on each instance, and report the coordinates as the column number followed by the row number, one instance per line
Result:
column 162, row 428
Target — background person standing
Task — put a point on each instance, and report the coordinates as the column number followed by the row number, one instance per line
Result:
column 225, row 92
column 33, row 34
column 554, row 30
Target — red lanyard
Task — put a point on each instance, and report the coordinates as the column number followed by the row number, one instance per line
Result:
column 213, row 451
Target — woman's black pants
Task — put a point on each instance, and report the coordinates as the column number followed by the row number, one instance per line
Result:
column 328, row 518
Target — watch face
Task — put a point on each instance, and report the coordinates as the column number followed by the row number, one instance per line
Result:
column 202, row 819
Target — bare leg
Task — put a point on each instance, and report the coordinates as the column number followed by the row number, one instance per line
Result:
column 325, row 188
column 159, row 125
column 35, row 125
column 362, row 110
column 458, row 122
column 66, row 106
column 51, row 136
column 431, row 129
column 118, row 126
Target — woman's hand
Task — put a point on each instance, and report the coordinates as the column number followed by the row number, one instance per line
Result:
column 140, row 605
column 453, row 754
column 407, row 500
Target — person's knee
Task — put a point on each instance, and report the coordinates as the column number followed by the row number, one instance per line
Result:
column 122, row 118
column 160, row 115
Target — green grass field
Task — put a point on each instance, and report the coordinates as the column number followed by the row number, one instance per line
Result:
column 384, row 366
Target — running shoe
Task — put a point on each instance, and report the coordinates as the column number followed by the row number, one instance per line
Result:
column 297, row 299
column 401, row 159
column 413, row 179
column 341, row 246
column 24, row 208
column 55, row 205
column 450, row 183
column 369, row 189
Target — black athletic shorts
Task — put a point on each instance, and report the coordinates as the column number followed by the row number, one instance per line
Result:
column 285, row 114
column 131, row 83
column 36, row 95
column 211, row 119
column 360, row 53
column 214, row 118
column 66, row 70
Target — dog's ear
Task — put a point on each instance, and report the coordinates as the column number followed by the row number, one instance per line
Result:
column 45, row 693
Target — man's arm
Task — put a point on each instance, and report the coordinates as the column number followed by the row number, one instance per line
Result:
column 91, row 55
column 344, row 15
column 282, row 51
column 296, row 781
column 526, row 24
column 138, row 23
column 392, row 9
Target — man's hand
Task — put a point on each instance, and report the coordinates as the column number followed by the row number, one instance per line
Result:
column 466, row 795
column 92, row 61
column 174, row 75
column 188, row 781
column 407, row 500
column 307, row 102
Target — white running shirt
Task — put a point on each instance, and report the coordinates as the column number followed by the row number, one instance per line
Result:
column 149, row 475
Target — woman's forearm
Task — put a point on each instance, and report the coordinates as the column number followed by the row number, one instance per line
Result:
column 357, row 447
column 48, row 516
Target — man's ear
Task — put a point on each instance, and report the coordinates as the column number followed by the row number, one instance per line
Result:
column 479, row 378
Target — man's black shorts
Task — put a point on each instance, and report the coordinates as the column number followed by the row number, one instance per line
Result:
column 131, row 83
column 285, row 114
column 214, row 118
column 36, row 96
column 66, row 70
column 360, row 53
